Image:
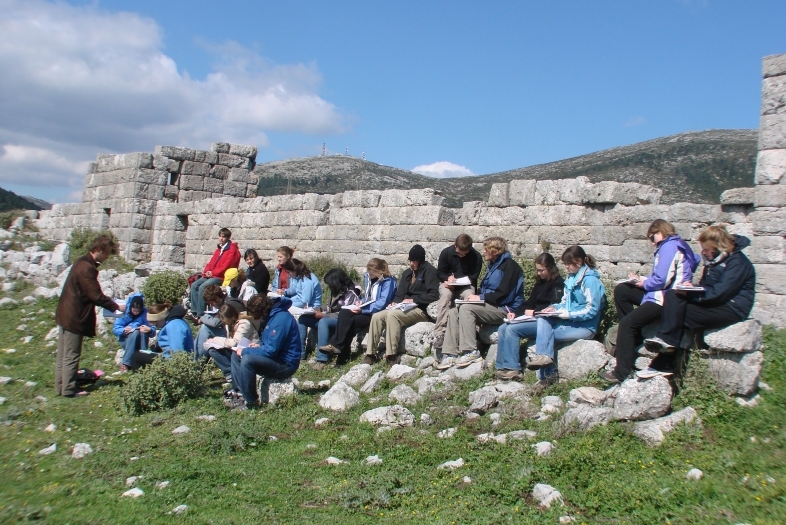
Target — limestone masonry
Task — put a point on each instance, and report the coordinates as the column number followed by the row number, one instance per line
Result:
column 168, row 207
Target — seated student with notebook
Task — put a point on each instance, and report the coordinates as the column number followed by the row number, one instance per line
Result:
column 174, row 334
column 577, row 316
column 210, row 324
column 418, row 287
column 343, row 292
column 305, row 291
column 728, row 282
column 639, row 301
column 501, row 291
column 548, row 290
column 257, row 272
column 133, row 330
column 240, row 327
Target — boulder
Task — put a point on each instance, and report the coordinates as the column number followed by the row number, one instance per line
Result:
column 483, row 399
column 357, row 375
column 488, row 333
column 463, row 374
column 739, row 337
column 639, row 400
column 736, row 373
column 417, row 339
column 545, row 495
column 403, row 394
column 401, row 372
column 372, row 383
column 588, row 395
column 654, row 432
column 339, row 398
column 580, row 358
column 390, row 416
column 271, row 390
column 587, row 416
column 428, row 384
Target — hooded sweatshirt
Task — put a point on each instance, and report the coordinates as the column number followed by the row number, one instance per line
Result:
column 584, row 299
column 729, row 279
column 503, row 284
column 176, row 335
column 129, row 320
column 673, row 263
column 280, row 337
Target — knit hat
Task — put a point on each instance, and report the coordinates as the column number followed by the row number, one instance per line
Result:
column 417, row 254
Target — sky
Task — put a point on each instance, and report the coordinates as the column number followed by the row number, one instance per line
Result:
column 444, row 88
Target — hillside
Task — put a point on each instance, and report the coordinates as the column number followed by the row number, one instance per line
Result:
column 688, row 167
column 11, row 201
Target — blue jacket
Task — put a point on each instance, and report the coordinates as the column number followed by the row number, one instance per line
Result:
column 503, row 284
column 731, row 280
column 381, row 291
column 176, row 335
column 674, row 262
column 133, row 322
column 584, row 299
column 280, row 337
column 305, row 291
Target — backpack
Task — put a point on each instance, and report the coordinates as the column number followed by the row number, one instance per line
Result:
column 85, row 376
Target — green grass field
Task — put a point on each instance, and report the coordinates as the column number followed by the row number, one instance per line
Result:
column 231, row 471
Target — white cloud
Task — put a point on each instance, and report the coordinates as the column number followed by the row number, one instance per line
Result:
column 635, row 122
column 442, row 170
column 81, row 80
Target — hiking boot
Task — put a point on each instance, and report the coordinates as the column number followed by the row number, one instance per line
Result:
column 318, row 366
column 651, row 372
column 609, row 377
column 448, row 361
column 370, row 359
column 542, row 384
column 391, row 360
column 656, row 344
column 537, row 361
column 438, row 342
column 508, row 375
column 468, row 358
column 330, row 349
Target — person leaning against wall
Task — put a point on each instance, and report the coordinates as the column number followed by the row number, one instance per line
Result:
column 75, row 314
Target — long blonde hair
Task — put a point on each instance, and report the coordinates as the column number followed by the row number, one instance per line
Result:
column 718, row 238
column 377, row 265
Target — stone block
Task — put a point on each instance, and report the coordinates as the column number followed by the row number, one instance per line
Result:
column 133, row 235
column 123, row 161
column 170, row 222
column 416, row 197
column 773, row 95
column 213, row 185
column 736, row 373
column 234, row 189
column 315, row 201
column 169, row 238
column 131, row 220
column 171, row 192
column 150, row 176
column 220, row 147
column 163, row 163
column 739, row 337
column 249, row 152
column 498, row 196
column 219, row 172
column 92, row 167
column 192, row 195
column 631, row 251
column 653, row 432
column 685, row 212
column 773, row 65
column 362, row 198
column 195, row 168
column 769, row 221
column 641, row 400
column 771, row 278
column 771, row 166
column 174, row 152
column 208, row 157
column 285, row 202
column 170, row 254
column 251, row 190
column 642, row 214
column 88, row 194
column 738, row 196
column 770, row 309
column 106, row 178
column 772, row 131
column 626, row 193
column 521, row 193
column 580, row 358
column 770, row 249
column 242, row 175
column 234, row 161
column 193, row 182
column 769, row 196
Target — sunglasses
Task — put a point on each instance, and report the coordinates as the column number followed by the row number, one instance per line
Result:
column 652, row 238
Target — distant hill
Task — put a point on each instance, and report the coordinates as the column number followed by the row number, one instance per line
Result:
column 42, row 204
column 11, row 201
column 688, row 167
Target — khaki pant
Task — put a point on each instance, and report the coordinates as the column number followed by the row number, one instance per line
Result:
column 69, row 350
column 392, row 321
column 461, row 336
column 446, row 298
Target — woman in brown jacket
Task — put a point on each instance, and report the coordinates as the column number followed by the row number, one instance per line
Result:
column 75, row 314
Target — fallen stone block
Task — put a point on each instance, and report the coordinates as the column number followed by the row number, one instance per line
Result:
column 736, row 373
column 390, row 416
column 638, row 400
column 654, row 432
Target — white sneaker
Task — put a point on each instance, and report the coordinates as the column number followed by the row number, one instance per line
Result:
column 448, row 361
column 656, row 344
column 467, row 359
column 651, row 372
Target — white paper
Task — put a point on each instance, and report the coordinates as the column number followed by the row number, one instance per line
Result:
column 461, row 281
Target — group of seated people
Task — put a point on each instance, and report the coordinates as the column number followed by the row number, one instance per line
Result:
column 251, row 330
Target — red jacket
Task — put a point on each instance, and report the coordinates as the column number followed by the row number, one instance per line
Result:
column 223, row 261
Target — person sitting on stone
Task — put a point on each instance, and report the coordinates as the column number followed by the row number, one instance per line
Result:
column 305, row 291
column 380, row 288
column 242, row 288
column 728, row 282
column 210, row 324
column 280, row 276
column 501, row 292
column 257, row 272
column 418, row 287
column 276, row 356
column 455, row 262
column 343, row 292
column 133, row 330
column 639, row 302
column 576, row 317
column 548, row 290
column 226, row 256
column 239, row 326
column 174, row 334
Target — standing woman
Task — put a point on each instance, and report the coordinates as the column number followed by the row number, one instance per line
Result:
column 673, row 263
column 548, row 290
column 257, row 271
column 343, row 292
column 729, row 282
column 280, row 277
column 380, row 287
column 576, row 317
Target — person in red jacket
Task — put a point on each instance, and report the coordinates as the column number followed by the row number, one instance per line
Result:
column 226, row 256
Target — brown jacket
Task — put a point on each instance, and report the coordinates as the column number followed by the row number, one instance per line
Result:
column 81, row 294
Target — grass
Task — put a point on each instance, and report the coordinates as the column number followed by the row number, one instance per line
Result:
column 231, row 471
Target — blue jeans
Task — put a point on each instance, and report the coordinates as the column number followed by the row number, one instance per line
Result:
column 222, row 357
column 306, row 321
column 197, row 294
column 508, row 343
column 132, row 342
column 550, row 330
column 206, row 332
column 245, row 370
column 324, row 327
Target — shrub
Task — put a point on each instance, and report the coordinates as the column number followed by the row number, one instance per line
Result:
column 167, row 285
column 164, row 384
column 81, row 239
column 320, row 266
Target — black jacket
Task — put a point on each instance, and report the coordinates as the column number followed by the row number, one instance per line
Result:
column 732, row 281
column 544, row 293
column 423, row 291
column 451, row 264
column 261, row 277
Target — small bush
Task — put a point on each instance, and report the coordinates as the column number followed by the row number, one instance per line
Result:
column 320, row 266
column 164, row 384
column 609, row 317
column 167, row 285
column 81, row 239
column 7, row 218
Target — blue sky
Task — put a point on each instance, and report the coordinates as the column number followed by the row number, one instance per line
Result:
column 477, row 87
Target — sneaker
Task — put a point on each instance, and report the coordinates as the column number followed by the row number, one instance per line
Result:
column 391, row 360
column 318, row 366
column 651, row 372
column 656, row 344
column 467, row 359
column 438, row 342
column 232, row 403
column 508, row 375
column 370, row 359
column 330, row 349
column 609, row 377
column 447, row 361
column 537, row 361
column 542, row 384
